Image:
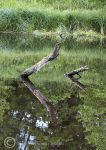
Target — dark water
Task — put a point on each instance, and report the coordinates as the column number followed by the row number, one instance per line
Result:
column 28, row 117
column 80, row 119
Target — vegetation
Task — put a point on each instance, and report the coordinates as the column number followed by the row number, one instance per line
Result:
column 16, row 62
column 51, row 81
column 55, row 4
column 27, row 18
column 34, row 27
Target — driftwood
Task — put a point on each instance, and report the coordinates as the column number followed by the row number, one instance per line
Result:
column 35, row 68
column 72, row 75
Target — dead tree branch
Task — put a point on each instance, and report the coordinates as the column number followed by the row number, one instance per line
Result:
column 72, row 75
column 35, row 68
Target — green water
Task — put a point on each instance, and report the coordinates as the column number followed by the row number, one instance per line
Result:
column 81, row 117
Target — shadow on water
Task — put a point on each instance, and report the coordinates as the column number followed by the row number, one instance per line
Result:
column 30, row 124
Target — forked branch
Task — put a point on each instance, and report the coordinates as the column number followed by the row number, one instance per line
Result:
column 72, row 75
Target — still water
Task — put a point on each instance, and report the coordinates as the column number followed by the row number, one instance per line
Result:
column 80, row 122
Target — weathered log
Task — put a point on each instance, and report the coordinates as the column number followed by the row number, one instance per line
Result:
column 77, row 71
column 35, row 68
column 72, row 76
column 36, row 92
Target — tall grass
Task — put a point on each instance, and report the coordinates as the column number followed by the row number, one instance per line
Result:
column 87, row 19
column 30, row 20
column 55, row 4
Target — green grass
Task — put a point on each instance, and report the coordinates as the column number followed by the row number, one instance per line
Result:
column 20, row 52
column 55, row 4
column 39, row 18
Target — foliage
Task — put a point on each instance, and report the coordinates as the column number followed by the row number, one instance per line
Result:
column 3, row 107
column 16, row 62
column 81, row 118
column 29, row 20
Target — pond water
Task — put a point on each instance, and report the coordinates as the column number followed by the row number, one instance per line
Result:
column 80, row 121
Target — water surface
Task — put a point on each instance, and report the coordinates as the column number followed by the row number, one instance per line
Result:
column 81, row 117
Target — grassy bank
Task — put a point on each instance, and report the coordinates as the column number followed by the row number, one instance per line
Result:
column 30, row 20
column 54, row 4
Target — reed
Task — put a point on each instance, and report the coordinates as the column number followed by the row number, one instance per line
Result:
column 55, row 4
column 29, row 20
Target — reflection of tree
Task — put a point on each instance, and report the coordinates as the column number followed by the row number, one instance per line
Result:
column 4, row 106
column 93, row 118
column 24, row 138
column 68, row 130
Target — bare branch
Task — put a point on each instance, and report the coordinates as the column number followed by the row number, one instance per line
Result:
column 72, row 75
column 36, row 92
column 42, row 63
column 77, row 71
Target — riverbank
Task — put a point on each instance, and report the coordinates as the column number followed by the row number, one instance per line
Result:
column 22, row 20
